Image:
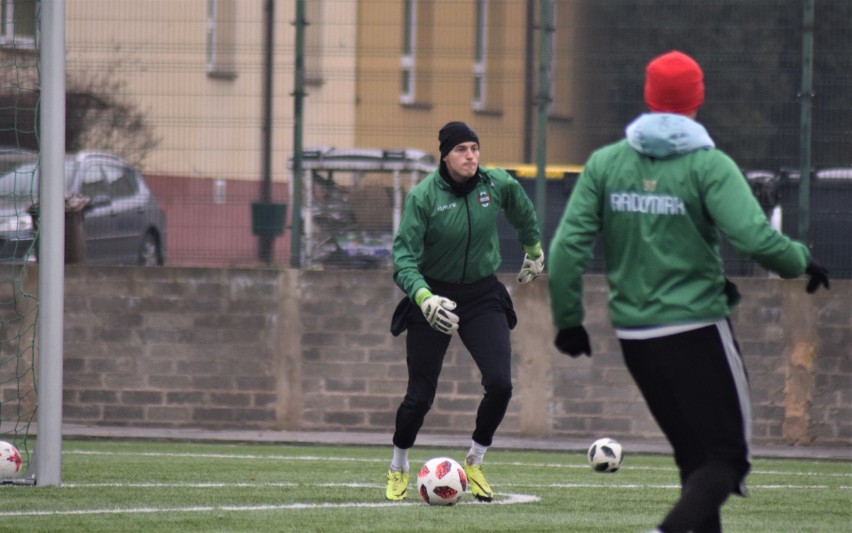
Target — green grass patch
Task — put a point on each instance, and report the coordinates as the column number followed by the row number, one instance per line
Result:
column 172, row 486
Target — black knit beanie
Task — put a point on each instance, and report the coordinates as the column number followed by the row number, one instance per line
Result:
column 453, row 134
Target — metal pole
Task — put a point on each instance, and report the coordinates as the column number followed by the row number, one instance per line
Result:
column 397, row 200
column 48, row 451
column 543, row 98
column 298, row 96
column 529, row 101
column 806, row 99
column 266, row 239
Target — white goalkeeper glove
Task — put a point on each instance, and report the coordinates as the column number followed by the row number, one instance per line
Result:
column 533, row 264
column 438, row 311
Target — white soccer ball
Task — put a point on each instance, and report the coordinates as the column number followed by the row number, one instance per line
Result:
column 441, row 481
column 605, row 455
column 10, row 461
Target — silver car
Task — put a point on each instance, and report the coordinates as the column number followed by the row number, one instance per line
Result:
column 123, row 224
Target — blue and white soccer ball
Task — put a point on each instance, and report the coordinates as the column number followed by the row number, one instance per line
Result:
column 605, row 455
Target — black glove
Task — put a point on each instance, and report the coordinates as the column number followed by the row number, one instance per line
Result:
column 818, row 274
column 732, row 293
column 573, row 341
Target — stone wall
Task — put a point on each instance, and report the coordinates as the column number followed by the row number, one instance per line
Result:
column 291, row 350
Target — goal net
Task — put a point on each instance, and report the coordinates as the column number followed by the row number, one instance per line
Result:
column 19, row 97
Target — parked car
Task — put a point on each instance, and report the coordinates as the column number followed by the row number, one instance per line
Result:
column 123, row 224
column 11, row 157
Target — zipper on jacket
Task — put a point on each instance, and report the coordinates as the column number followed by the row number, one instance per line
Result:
column 469, row 237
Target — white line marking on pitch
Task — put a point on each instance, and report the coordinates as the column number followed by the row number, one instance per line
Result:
column 380, row 460
column 291, row 484
column 507, row 499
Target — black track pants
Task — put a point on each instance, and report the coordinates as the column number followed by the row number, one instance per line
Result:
column 696, row 387
column 485, row 315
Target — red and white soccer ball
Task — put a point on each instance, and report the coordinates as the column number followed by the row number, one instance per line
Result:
column 441, row 481
column 605, row 455
column 10, row 461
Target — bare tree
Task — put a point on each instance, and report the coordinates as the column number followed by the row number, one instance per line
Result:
column 98, row 113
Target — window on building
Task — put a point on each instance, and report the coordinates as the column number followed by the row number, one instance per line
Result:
column 417, row 35
column 560, row 95
column 480, row 55
column 489, row 53
column 314, row 42
column 409, row 49
column 221, row 39
column 19, row 24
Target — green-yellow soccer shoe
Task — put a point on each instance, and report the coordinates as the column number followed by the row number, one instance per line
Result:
column 397, row 486
column 477, row 483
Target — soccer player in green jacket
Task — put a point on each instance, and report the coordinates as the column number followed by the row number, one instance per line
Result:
column 445, row 256
column 659, row 199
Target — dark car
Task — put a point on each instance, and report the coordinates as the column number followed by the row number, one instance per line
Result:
column 123, row 224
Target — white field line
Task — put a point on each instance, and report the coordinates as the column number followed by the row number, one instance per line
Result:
column 609, row 486
column 507, row 499
column 500, row 498
column 613, row 486
column 385, row 460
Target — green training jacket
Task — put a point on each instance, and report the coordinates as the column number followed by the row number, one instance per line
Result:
column 454, row 239
column 659, row 220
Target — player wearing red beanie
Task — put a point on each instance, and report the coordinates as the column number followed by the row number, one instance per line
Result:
column 659, row 199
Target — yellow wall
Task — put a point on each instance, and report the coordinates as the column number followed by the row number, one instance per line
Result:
column 447, row 33
column 212, row 127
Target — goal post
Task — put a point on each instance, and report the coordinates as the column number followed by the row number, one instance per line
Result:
column 48, row 452
column 32, row 295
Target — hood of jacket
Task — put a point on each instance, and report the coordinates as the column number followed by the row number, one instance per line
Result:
column 666, row 135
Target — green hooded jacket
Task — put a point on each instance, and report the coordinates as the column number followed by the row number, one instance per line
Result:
column 454, row 239
column 658, row 200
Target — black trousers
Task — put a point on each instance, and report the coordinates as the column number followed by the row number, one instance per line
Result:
column 485, row 317
column 696, row 387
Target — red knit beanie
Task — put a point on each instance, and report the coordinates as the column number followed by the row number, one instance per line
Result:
column 674, row 83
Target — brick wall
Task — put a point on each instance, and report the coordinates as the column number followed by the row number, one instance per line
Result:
column 174, row 347
column 283, row 349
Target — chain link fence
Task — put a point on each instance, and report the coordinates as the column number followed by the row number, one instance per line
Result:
column 185, row 91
